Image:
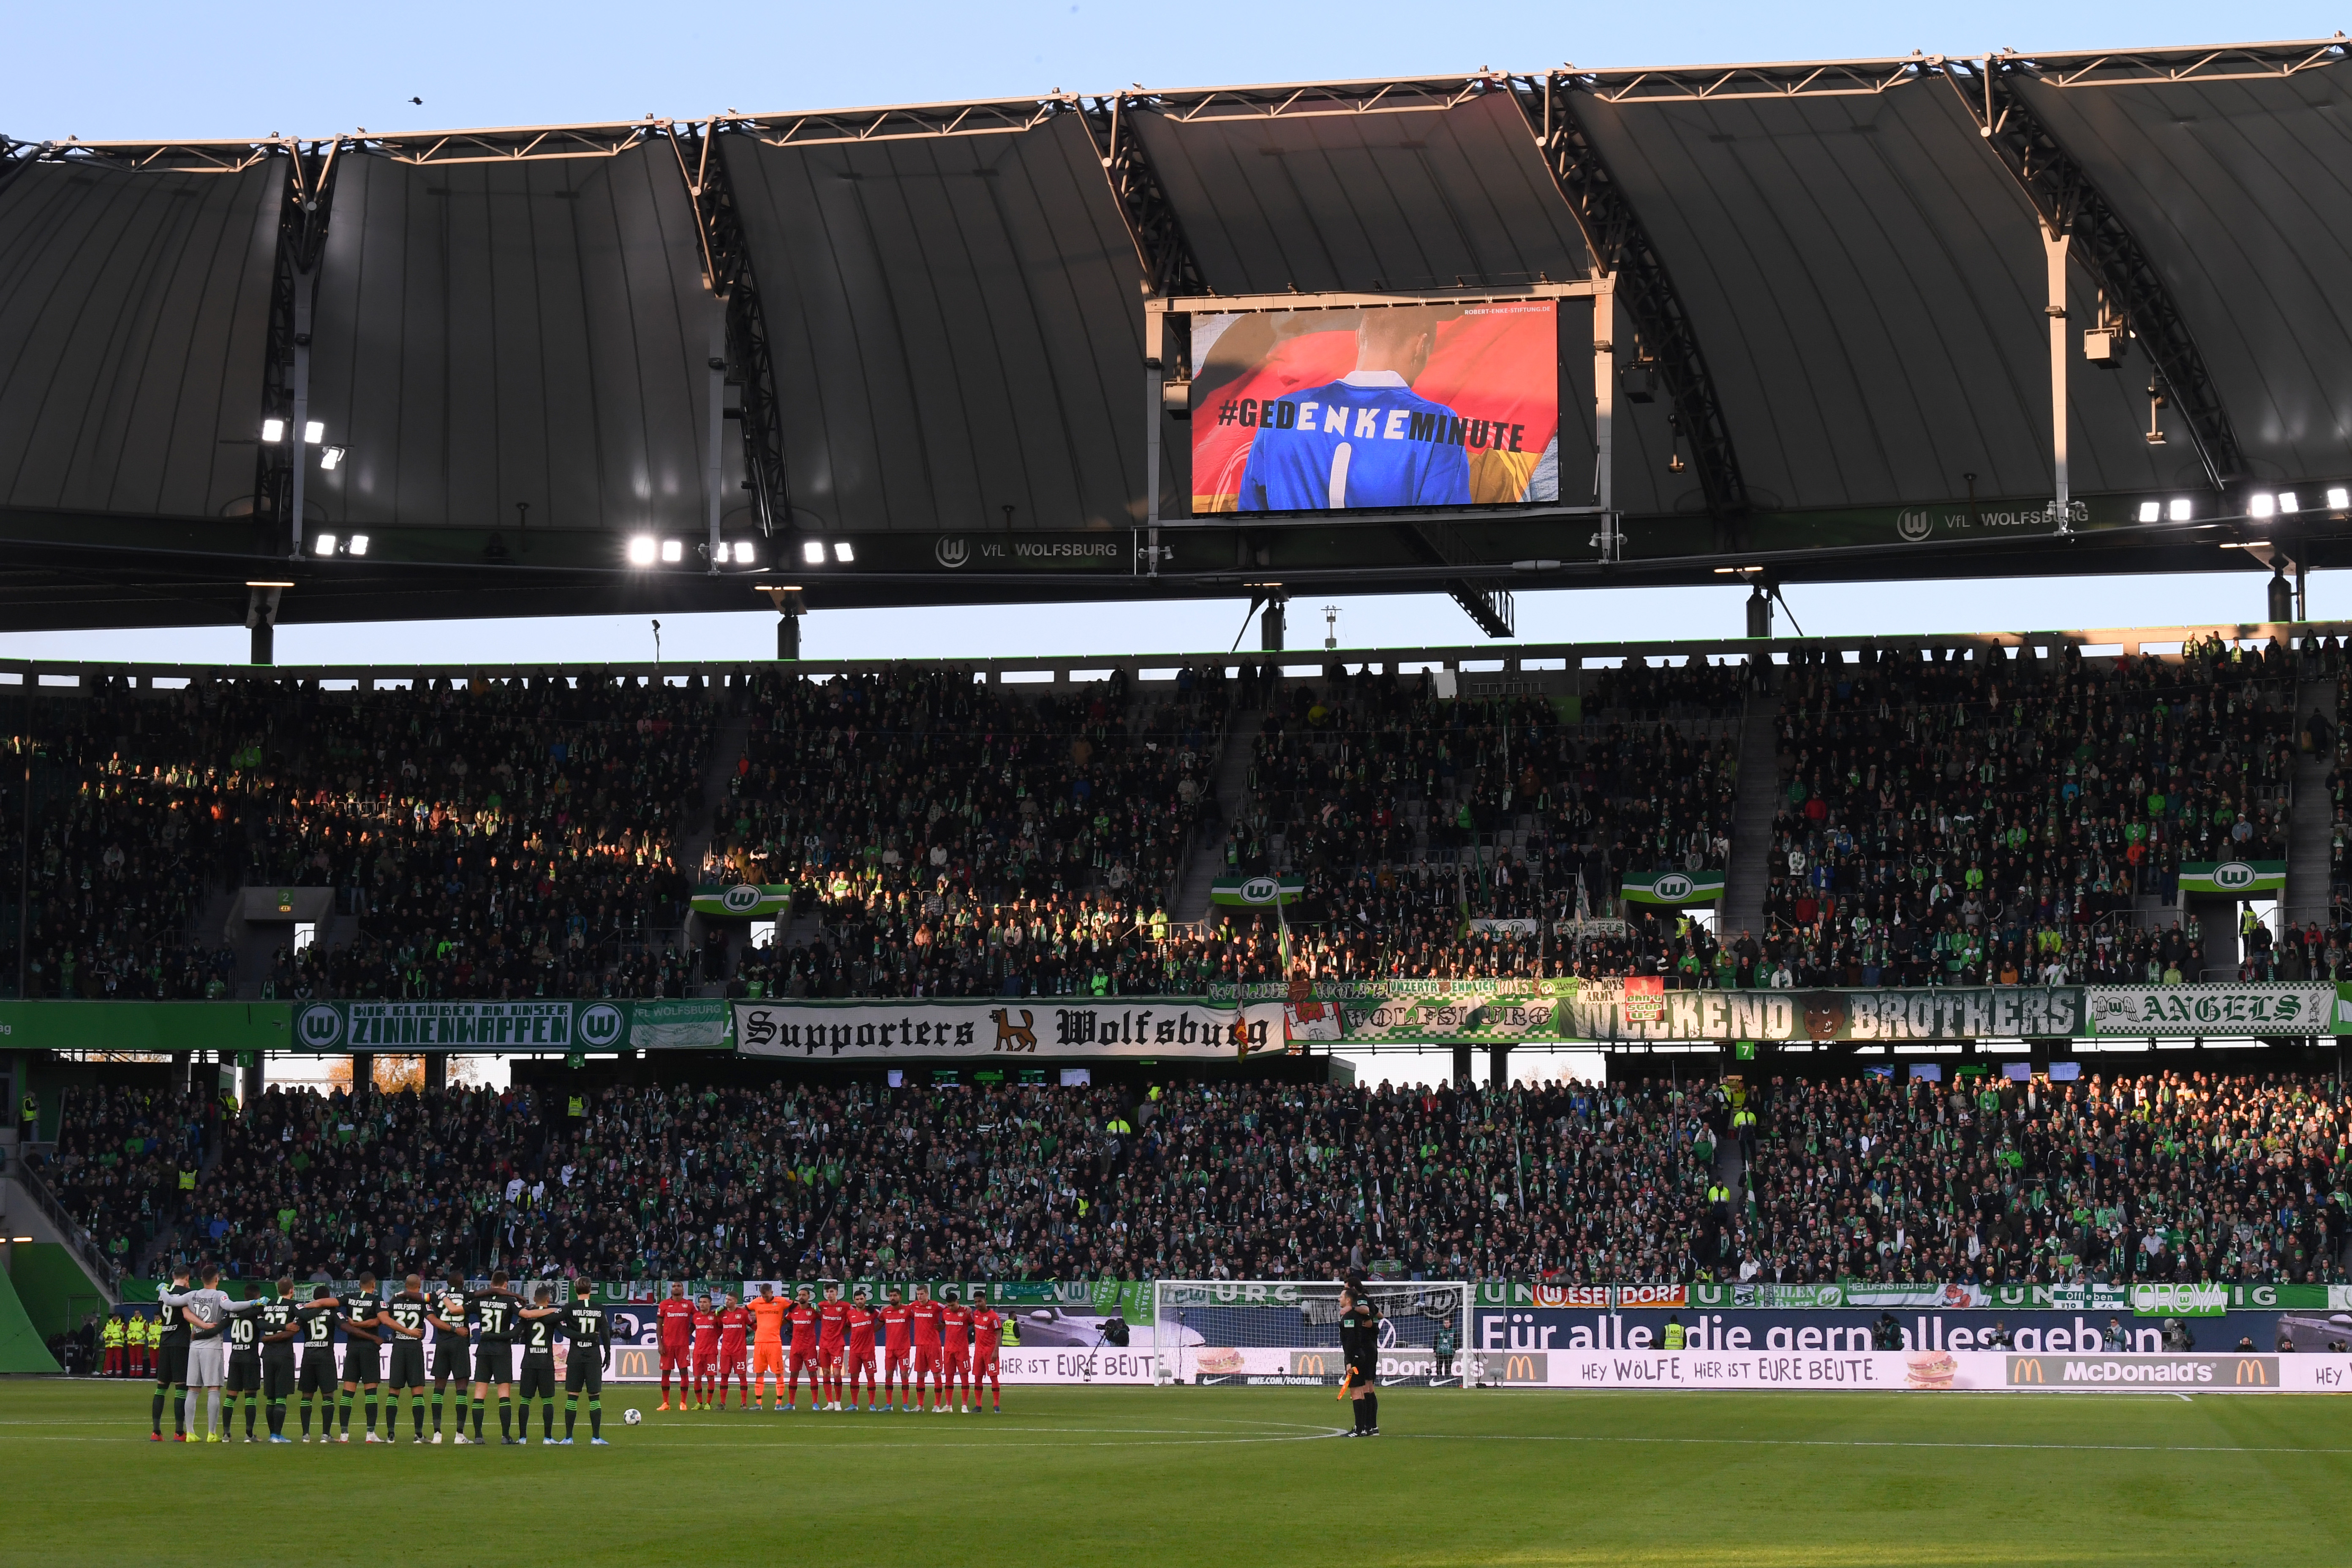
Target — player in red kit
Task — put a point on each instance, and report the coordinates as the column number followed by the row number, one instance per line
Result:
column 804, row 1320
column 861, row 1347
column 677, row 1314
column 832, row 1333
column 706, row 1348
column 896, row 1353
column 734, row 1323
column 987, row 1331
column 923, row 1322
column 956, row 1319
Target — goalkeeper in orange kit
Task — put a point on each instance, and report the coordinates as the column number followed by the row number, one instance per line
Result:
column 768, row 1342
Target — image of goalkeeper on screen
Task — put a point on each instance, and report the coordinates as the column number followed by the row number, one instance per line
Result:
column 1367, row 439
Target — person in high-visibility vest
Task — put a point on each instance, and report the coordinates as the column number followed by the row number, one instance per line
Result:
column 1674, row 1336
column 111, row 1336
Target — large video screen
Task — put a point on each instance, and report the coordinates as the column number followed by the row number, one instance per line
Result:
column 1397, row 406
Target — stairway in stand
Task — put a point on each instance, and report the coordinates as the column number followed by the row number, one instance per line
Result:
column 2312, row 816
column 1231, row 783
column 1753, row 808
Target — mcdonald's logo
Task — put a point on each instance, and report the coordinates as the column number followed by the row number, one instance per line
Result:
column 1521, row 1368
column 1312, row 1363
column 2251, row 1371
column 631, row 1362
column 2024, row 1370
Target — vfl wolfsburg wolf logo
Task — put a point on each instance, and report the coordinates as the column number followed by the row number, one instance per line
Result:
column 600, row 1025
column 1914, row 525
column 1672, row 886
column 952, row 553
column 321, row 1025
column 2233, row 874
column 742, row 899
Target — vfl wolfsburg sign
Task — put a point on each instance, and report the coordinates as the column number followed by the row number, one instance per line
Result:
column 1255, row 892
column 744, row 900
column 2233, row 876
column 1673, row 887
column 535, row 1025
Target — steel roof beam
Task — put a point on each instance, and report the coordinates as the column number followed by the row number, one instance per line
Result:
column 1623, row 249
column 900, row 122
column 727, row 273
column 2070, row 204
column 1170, row 268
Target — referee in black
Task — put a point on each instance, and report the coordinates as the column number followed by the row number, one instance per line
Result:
column 1360, row 1346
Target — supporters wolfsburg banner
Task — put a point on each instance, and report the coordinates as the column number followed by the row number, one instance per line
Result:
column 1672, row 886
column 2258, row 1008
column 535, row 1025
column 2232, row 876
column 743, row 900
column 1044, row 1027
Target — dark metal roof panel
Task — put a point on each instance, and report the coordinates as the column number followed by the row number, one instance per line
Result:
column 958, row 328
column 489, row 335
column 2241, row 192
column 134, row 311
column 1412, row 199
column 1867, row 284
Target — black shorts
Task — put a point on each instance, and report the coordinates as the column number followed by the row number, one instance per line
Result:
column 583, row 1373
column 1358, row 1377
column 318, row 1373
column 493, row 1363
column 363, row 1362
column 451, row 1358
column 171, row 1365
column 407, row 1364
column 538, row 1380
column 244, row 1373
column 277, row 1377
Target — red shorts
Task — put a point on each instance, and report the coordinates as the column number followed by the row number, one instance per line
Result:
column 706, row 1356
column 896, row 1357
column 959, row 1356
column 861, row 1354
column 674, row 1354
column 927, row 1359
column 828, row 1353
column 730, row 1356
column 802, row 1355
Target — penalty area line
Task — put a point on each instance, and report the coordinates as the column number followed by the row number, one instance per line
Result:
column 1863, row 1443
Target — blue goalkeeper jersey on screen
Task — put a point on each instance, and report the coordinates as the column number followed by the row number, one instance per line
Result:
column 1365, row 440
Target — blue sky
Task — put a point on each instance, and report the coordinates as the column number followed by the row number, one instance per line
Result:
column 182, row 72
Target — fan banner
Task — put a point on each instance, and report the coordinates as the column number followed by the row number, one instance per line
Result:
column 2255, row 1008
column 623, row 1023
column 1034, row 1026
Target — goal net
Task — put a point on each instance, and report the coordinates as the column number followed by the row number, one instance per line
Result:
column 1273, row 1331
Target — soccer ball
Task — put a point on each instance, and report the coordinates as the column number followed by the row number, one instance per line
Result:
column 633, row 1417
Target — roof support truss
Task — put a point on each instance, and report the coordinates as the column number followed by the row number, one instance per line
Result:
column 304, row 207
column 2071, row 205
column 1622, row 247
column 727, row 272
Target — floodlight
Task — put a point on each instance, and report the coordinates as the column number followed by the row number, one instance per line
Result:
column 324, row 544
column 813, row 552
column 2263, row 505
column 2149, row 511
column 2339, row 498
column 843, row 553
column 314, row 431
column 673, row 550
column 358, row 546
column 641, row 550
column 273, row 431
column 744, row 554
column 330, row 457
column 2287, row 503
column 2180, row 508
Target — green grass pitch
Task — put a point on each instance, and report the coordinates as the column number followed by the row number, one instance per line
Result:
column 1233, row 1477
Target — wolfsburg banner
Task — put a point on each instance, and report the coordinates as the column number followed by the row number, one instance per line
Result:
column 2263, row 1008
column 1672, row 886
column 744, row 900
column 536, row 1026
column 1610, row 1011
column 2241, row 877
column 1042, row 1027
column 1255, row 892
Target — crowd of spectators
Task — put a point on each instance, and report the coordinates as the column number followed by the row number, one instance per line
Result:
column 1987, row 1181
column 1972, row 818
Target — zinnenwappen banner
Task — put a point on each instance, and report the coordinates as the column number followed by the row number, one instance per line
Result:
column 1042, row 1026
column 2232, row 876
column 536, row 1026
column 2265, row 1008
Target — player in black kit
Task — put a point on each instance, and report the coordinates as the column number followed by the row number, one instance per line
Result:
column 363, row 1352
column 539, row 1326
column 317, row 1321
column 246, row 1327
column 452, row 1356
column 590, row 1334
column 171, row 1369
column 404, row 1315
column 497, row 1313
column 279, row 1330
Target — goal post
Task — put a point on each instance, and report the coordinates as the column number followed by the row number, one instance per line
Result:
column 1270, row 1332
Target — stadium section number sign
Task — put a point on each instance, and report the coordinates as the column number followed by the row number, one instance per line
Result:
column 569, row 1026
column 1389, row 405
column 1049, row 1027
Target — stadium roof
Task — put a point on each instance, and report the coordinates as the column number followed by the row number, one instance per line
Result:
column 913, row 331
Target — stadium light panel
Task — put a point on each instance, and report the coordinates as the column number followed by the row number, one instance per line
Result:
column 2339, row 498
column 2180, row 511
column 673, row 550
column 324, row 544
column 844, row 553
column 330, row 458
column 2263, row 505
column 2287, row 503
column 358, row 546
column 641, row 550
column 744, row 554
column 273, row 431
column 314, row 431
column 813, row 552
column 2150, row 510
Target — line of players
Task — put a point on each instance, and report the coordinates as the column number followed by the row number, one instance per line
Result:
column 930, row 1351
column 474, row 1337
